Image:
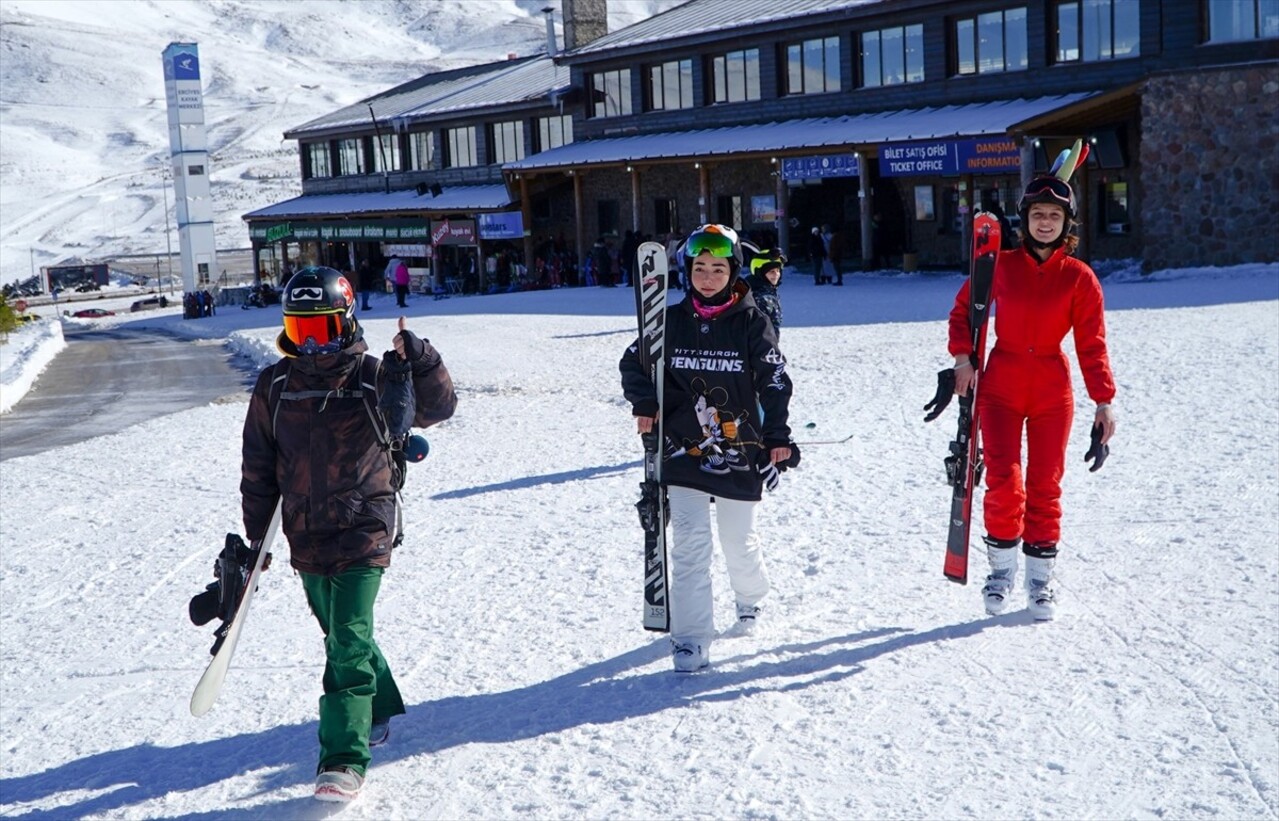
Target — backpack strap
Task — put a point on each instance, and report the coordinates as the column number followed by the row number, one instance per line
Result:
column 366, row 391
column 279, row 378
column 370, row 367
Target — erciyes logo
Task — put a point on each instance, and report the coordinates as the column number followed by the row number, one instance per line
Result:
column 306, row 293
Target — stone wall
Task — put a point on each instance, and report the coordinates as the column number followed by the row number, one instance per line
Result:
column 1210, row 167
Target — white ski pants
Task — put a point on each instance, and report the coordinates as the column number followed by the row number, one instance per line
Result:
column 692, row 602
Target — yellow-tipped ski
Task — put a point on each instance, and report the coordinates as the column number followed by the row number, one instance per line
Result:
column 1072, row 160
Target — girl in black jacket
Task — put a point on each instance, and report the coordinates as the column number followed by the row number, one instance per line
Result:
column 765, row 279
column 722, row 366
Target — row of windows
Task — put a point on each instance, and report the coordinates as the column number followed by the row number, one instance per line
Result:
column 373, row 155
column 996, row 41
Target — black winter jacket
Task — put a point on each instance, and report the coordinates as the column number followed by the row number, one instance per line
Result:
column 767, row 300
column 323, row 460
column 719, row 372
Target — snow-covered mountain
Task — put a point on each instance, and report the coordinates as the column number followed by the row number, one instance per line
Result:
column 83, row 140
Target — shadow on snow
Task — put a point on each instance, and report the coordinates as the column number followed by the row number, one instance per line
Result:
column 601, row 693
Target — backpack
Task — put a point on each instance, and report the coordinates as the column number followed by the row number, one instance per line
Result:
column 365, row 389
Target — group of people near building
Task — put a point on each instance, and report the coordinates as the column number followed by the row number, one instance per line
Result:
column 196, row 304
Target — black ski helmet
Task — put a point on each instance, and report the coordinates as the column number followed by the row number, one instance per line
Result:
column 1051, row 190
column 319, row 311
column 766, row 260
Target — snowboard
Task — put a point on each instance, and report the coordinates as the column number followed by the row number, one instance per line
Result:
column 963, row 465
column 650, row 283
column 210, row 684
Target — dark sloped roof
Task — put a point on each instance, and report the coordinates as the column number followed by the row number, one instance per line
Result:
column 704, row 16
column 455, row 198
column 972, row 120
column 505, row 83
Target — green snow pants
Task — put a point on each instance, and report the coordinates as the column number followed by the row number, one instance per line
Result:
column 358, row 685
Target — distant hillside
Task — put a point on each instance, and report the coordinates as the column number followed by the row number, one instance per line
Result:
column 83, row 140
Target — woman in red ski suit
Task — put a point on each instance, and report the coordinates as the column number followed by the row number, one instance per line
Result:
column 1040, row 292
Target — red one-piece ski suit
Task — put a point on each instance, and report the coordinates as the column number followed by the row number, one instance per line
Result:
column 1026, row 384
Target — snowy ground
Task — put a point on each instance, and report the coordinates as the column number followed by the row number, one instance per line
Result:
column 874, row 688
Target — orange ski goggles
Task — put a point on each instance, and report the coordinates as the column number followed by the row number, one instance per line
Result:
column 314, row 333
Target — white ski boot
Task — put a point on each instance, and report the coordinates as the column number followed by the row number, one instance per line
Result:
column 689, row 657
column 1041, row 595
column 998, row 589
column 747, row 618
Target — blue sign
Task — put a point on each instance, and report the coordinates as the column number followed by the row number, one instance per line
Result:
column 988, row 155
column 827, row 165
column 186, row 66
column 501, row 225
column 917, row 159
column 992, row 155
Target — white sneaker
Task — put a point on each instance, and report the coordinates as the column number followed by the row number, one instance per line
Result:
column 1041, row 594
column 747, row 617
column 338, row 784
column 689, row 657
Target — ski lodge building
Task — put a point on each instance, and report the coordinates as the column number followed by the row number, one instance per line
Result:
column 888, row 120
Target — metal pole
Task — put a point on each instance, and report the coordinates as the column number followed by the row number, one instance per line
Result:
column 168, row 241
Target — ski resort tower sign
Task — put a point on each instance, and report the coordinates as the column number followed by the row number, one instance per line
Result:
column 189, row 160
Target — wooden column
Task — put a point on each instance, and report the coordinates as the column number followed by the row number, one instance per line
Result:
column 783, row 209
column 635, row 199
column 578, row 207
column 1082, row 201
column 867, row 202
column 526, row 216
column 703, row 194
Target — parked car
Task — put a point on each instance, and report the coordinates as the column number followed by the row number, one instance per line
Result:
column 149, row 303
column 91, row 312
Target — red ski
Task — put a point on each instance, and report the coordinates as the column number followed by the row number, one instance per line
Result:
column 963, row 465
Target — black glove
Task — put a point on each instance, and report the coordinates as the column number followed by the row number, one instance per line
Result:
column 414, row 348
column 397, row 402
column 945, row 390
column 1096, row 450
column 793, row 462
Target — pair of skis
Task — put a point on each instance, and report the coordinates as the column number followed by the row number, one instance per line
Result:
column 964, row 462
column 650, row 281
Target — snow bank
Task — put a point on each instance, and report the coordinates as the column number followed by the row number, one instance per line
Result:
column 27, row 353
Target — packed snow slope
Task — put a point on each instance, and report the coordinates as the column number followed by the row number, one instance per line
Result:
column 83, row 131
column 874, row 688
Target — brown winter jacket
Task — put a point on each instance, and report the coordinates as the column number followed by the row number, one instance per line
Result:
column 324, row 461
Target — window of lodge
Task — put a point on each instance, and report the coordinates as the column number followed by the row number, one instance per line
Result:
column 460, row 149
column 1092, row 30
column 893, row 56
column 611, row 93
column 553, row 132
column 812, row 67
column 506, row 142
column 735, row 76
column 670, row 86
column 991, row 42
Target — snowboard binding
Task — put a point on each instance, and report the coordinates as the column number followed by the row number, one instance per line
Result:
column 222, row 597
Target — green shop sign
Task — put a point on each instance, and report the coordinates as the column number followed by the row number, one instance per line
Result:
column 343, row 231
